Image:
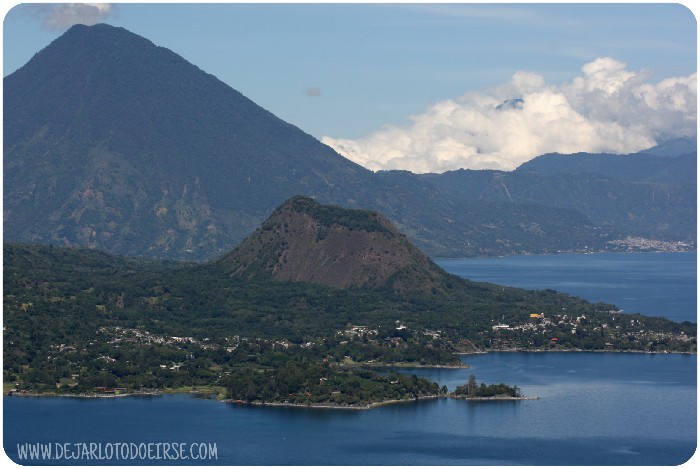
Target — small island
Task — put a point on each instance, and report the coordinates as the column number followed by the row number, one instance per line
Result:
column 473, row 391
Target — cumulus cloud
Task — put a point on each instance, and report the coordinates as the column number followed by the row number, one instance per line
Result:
column 606, row 109
column 58, row 16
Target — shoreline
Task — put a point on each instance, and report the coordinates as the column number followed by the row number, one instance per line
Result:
column 362, row 407
column 90, row 396
column 372, row 405
column 234, row 401
column 329, row 406
column 515, row 350
column 568, row 252
column 375, row 405
column 498, row 398
column 410, row 365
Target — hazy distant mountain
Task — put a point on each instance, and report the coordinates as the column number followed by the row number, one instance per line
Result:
column 114, row 143
column 111, row 141
column 636, row 167
column 675, row 147
column 516, row 103
column 639, row 194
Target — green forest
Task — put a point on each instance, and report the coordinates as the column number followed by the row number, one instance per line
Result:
column 79, row 321
column 472, row 390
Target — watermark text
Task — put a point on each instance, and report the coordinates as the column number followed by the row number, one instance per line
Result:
column 166, row 451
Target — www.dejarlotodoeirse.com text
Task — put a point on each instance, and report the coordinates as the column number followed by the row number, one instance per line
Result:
column 117, row 451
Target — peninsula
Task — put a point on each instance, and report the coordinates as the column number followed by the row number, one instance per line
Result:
column 301, row 312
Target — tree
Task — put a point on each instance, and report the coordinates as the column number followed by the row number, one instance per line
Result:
column 471, row 385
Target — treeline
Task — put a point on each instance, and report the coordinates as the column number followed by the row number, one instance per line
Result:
column 75, row 320
column 329, row 215
column 471, row 389
column 296, row 382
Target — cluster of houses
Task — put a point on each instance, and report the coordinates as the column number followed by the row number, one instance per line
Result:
column 613, row 330
column 541, row 323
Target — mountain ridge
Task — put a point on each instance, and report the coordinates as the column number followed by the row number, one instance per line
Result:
column 114, row 143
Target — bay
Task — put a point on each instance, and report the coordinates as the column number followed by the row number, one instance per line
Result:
column 654, row 284
column 594, row 409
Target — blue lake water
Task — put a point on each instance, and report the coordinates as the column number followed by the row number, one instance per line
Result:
column 595, row 409
column 655, row 284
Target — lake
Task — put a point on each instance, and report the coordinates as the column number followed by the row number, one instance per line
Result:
column 655, row 284
column 594, row 408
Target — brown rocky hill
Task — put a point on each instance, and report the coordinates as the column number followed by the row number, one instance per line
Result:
column 304, row 241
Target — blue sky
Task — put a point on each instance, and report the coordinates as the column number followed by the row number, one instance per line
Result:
column 360, row 75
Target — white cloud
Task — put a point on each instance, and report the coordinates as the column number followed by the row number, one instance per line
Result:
column 606, row 109
column 59, row 16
